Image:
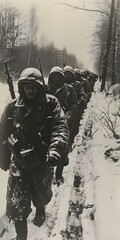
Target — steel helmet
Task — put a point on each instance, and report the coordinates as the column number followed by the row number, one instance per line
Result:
column 58, row 70
column 77, row 70
column 82, row 73
column 69, row 69
column 31, row 75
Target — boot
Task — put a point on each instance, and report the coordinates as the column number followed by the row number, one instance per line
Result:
column 39, row 216
column 59, row 177
column 21, row 229
column 60, row 181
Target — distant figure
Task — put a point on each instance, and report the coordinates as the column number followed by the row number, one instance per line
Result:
column 71, row 79
column 82, row 78
column 82, row 98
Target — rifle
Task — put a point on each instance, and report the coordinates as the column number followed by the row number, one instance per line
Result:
column 40, row 65
column 9, row 81
column 64, row 64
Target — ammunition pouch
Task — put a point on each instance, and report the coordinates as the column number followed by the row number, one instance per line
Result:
column 27, row 156
column 5, row 156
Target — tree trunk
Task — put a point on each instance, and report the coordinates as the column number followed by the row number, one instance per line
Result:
column 115, row 46
column 108, row 45
column 114, row 55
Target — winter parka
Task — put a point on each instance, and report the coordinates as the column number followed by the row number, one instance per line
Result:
column 80, row 93
column 68, row 101
column 30, row 181
column 48, row 118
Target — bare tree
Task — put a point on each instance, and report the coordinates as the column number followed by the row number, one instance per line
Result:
column 10, row 30
column 102, row 11
column 114, row 47
column 84, row 8
column 105, row 39
column 108, row 45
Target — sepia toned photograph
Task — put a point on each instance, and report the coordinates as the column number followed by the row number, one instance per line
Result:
column 59, row 119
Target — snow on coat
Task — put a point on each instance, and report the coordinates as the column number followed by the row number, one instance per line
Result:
column 50, row 119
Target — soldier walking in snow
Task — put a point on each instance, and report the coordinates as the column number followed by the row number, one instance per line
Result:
column 68, row 101
column 34, row 137
column 82, row 99
column 81, row 77
column 71, row 79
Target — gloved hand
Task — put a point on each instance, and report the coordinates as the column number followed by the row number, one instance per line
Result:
column 54, row 158
column 5, row 156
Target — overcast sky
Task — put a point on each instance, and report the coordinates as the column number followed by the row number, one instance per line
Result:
column 65, row 26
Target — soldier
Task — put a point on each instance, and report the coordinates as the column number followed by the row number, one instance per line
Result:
column 81, row 77
column 68, row 101
column 82, row 99
column 92, row 79
column 34, row 136
column 69, row 75
column 79, row 87
column 70, row 78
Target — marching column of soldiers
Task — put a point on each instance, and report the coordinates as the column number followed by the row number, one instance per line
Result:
column 37, row 131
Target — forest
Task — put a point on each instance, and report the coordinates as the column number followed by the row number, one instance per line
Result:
column 22, row 43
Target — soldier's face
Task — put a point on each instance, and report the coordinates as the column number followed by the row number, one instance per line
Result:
column 56, row 80
column 78, row 77
column 69, row 77
column 30, row 90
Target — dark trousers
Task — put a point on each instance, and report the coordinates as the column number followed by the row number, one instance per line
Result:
column 58, row 172
column 23, row 189
column 21, row 229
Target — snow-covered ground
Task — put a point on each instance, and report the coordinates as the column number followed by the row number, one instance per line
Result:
column 106, row 174
column 87, row 205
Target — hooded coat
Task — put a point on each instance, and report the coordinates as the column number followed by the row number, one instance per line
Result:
column 66, row 96
column 41, row 123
